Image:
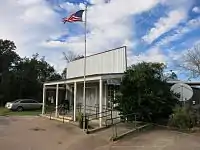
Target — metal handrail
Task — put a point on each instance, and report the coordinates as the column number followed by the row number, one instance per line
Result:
column 79, row 106
column 53, row 110
column 124, row 116
column 91, row 109
column 93, row 106
column 87, row 109
column 98, row 113
column 119, row 117
column 115, row 124
column 104, row 116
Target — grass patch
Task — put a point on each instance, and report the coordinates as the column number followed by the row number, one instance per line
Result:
column 6, row 112
column 3, row 111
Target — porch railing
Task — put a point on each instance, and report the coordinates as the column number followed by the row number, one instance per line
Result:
column 131, row 118
column 62, row 110
column 90, row 109
column 92, row 112
column 91, row 117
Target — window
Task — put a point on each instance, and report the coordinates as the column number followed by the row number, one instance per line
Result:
column 24, row 101
column 28, row 101
column 112, row 90
column 33, row 101
column 16, row 101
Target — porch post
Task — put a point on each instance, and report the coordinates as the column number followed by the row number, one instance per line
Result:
column 67, row 94
column 105, row 95
column 57, row 90
column 43, row 99
column 75, row 89
column 100, row 102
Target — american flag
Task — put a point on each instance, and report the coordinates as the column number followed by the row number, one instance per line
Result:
column 74, row 17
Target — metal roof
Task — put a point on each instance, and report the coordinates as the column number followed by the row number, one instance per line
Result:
column 194, row 83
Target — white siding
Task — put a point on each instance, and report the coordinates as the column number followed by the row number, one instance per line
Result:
column 95, row 98
column 92, row 94
column 113, row 61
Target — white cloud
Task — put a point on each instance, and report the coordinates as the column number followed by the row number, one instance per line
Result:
column 71, row 7
column 175, row 55
column 180, row 31
column 175, row 58
column 109, row 26
column 28, row 24
column 32, row 24
column 165, row 24
column 97, row 1
column 196, row 9
column 113, row 12
column 194, row 22
column 29, row 2
column 174, row 4
column 152, row 55
column 197, row 42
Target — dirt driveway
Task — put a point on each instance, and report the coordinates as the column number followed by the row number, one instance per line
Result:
column 159, row 139
column 36, row 133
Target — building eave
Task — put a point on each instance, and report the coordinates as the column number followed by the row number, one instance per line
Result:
column 88, row 78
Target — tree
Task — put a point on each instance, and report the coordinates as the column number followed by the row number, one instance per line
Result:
column 69, row 57
column 22, row 77
column 8, row 56
column 8, row 59
column 191, row 61
column 171, row 76
column 64, row 73
column 143, row 91
column 30, row 73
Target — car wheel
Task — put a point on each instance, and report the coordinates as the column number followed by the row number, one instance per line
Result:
column 20, row 108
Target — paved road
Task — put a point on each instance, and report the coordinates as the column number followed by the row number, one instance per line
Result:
column 36, row 133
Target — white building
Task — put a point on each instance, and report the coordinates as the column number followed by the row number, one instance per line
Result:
column 102, row 70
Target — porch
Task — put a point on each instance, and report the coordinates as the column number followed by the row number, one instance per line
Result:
column 100, row 92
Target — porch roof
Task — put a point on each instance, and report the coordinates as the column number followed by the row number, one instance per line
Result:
column 88, row 78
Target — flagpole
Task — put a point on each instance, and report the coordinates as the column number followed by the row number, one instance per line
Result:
column 84, row 90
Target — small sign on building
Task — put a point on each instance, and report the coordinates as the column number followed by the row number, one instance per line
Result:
column 113, row 82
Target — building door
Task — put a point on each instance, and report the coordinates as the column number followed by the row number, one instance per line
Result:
column 112, row 90
column 91, row 96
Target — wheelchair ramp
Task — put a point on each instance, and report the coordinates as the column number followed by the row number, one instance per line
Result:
column 119, row 130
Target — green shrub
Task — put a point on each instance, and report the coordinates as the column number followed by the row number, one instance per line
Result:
column 81, row 120
column 182, row 118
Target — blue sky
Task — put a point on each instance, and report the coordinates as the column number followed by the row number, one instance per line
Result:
column 153, row 30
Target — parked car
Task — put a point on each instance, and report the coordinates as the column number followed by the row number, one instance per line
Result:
column 23, row 104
